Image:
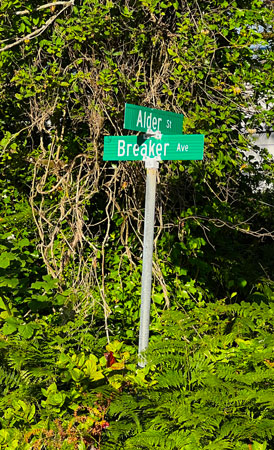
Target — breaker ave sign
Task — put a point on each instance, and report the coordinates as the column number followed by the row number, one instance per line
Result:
column 138, row 148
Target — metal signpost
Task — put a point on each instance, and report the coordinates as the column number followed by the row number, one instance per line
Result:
column 152, row 167
column 163, row 141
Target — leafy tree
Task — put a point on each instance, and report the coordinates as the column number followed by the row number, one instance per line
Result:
column 79, row 63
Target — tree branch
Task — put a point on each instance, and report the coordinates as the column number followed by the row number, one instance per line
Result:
column 219, row 223
column 40, row 30
column 48, row 5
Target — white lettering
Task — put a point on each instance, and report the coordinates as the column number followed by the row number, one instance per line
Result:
column 159, row 149
column 149, row 121
column 139, row 120
column 121, row 148
column 165, row 147
column 151, row 149
column 182, row 148
column 143, row 149
column 136, row 149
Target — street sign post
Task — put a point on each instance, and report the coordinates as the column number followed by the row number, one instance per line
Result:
column 140, row 118
column 163, row 141
column 151, row 166
column 138, row 148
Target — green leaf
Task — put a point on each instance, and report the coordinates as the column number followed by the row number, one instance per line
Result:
column 9, row 282
column 23, row 243
column 2, row 305
column 32, row 412
column 26, row 331
column 23, row 405
column 57, row 399
column 90, row 366
column 258, row 446
column 76, row 374
column 5, row 259
column 9, row 328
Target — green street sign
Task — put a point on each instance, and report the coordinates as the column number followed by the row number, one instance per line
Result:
column 138, row 148
column 140, row 118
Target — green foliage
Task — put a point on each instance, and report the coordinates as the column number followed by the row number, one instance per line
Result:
column 71, row 227
column 54, row 389
column 212, row 373
column 20, row 265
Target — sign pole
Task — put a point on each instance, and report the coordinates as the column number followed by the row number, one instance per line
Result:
column 163, row 141
column 152, row 166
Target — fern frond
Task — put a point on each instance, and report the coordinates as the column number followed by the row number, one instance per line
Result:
column 9, row 379
column 147, row 440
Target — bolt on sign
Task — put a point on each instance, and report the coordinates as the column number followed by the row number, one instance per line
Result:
column 140, row 118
